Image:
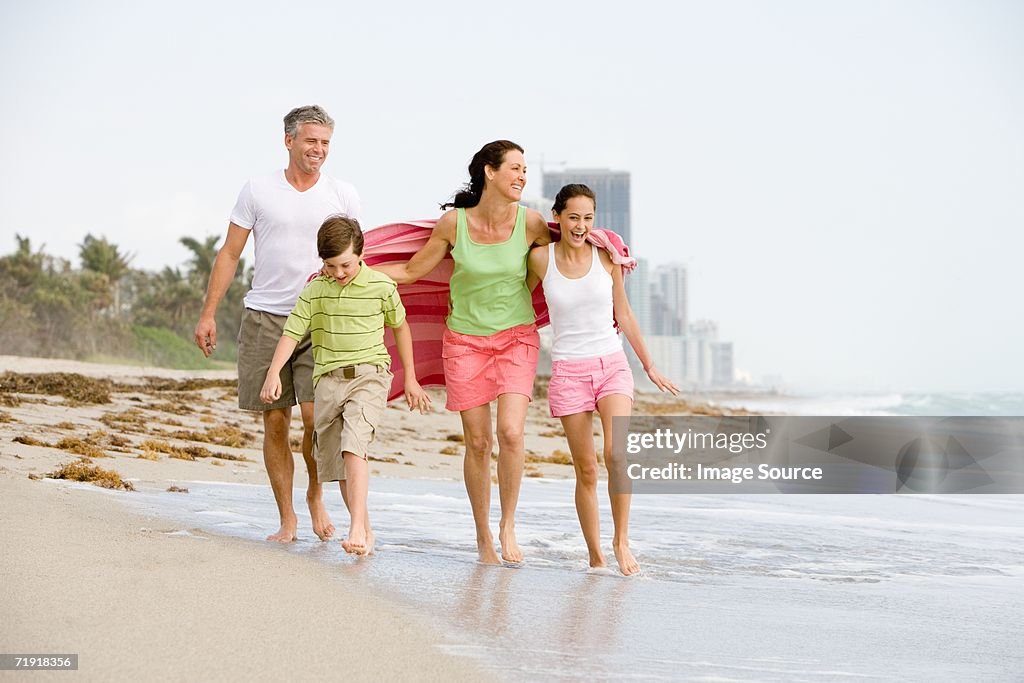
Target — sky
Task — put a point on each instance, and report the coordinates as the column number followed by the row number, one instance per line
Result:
column 843, row 180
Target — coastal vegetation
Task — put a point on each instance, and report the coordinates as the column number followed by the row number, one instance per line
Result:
column 103, row 309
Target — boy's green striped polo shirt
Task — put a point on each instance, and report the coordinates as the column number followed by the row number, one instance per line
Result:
column 346, row 323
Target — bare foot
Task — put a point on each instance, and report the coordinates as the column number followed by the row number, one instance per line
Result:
column 355, row 543
column 597, row 562
column 322, row 525
column 509, row 548
column 371, row 538
column 286, row 534
column 485, row 550
column 627, row 563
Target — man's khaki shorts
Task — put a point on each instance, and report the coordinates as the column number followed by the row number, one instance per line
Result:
column 257, row 339
column 348, row 407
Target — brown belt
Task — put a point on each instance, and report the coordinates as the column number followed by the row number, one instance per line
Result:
column 349, row 371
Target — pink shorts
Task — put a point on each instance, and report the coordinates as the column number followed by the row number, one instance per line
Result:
column 479, row 369
column 577, row 385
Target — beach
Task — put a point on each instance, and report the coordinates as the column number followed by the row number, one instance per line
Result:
column 168, row 584
column 135, row 594
column 139, row 597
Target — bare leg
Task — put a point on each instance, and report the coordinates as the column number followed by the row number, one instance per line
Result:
column 511, row 454
column 370, row 536
column 617, row 405
column 280, row 464
column 476, row 470
column 579, row 429
column 357, row 486
column 322, row 525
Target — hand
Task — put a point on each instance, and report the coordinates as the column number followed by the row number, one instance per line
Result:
column 663, row 383
column 206, row 336
column 271, row 390
column 416, row 397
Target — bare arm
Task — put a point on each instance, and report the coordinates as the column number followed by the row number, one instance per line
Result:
column 627, row 323
column 426, row 259
column 414, row 394
column 271, row 390
column 536, row 266
column 537, row 231
column 223, row 273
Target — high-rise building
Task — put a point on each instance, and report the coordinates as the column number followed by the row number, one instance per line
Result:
column 699, row 356
column 669, row 282
column 638, row 292
column 721, row 364
column 704, row 329
column 668, row 355
column 611, row 188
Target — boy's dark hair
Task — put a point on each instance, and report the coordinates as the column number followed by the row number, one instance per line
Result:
column 335, row 236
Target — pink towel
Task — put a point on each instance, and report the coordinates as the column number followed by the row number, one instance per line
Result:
column 426, row 300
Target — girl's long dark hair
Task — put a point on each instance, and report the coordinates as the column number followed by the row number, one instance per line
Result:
column 568, row 192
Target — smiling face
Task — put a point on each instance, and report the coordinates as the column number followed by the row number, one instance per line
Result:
column 343, row 267
column 576, row 220
column 307, row 151
column 510, row 178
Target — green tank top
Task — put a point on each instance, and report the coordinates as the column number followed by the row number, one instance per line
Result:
column 488, row 284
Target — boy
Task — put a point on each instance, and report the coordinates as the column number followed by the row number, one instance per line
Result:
column 345, row 308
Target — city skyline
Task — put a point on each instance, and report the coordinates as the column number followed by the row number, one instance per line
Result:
column 690, row 355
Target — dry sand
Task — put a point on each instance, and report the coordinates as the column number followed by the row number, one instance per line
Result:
column 140, row 599
column 136, row 602
column 137, row 597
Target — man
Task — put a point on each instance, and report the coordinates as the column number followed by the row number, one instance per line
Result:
column 283, row 211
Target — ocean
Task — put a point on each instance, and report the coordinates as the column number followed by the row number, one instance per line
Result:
column 734, row 588
column 1004, row 404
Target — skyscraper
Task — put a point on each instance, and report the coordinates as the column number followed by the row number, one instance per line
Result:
column 611, row 188
column 669, row 281
column 638, row 292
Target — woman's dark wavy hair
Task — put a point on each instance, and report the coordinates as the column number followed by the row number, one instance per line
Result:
column 492, row 154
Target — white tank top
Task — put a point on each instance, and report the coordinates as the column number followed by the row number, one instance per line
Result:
column 581, row 311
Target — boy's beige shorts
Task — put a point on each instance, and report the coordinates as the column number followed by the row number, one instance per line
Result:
column 346, row 413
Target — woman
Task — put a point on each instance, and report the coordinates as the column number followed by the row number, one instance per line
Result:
column 490, row 346
column 586, row 298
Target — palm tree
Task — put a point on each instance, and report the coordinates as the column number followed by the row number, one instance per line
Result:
column 105, row 258
column 203, row 255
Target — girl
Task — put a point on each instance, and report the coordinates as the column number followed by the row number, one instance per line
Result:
column 586, row 297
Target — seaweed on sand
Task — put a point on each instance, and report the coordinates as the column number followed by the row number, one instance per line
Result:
column 80, row 447
column 72, row 386
column 84, row 470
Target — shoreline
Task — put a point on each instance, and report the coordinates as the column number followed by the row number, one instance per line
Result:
column 137, row 598
column 167, row 585
column 136, row 594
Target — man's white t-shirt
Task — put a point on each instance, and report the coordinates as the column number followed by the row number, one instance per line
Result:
column 284, row 223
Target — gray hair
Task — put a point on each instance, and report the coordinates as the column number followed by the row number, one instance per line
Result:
column 311, row 113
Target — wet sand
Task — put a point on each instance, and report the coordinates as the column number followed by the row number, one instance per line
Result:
column 136, row 596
